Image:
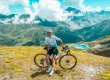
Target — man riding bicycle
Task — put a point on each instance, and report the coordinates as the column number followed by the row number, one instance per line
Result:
column 51, row 45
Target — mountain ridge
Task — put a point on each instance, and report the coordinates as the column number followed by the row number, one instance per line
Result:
column 35, row 34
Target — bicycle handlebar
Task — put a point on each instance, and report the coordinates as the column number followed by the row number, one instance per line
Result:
column 64, row 48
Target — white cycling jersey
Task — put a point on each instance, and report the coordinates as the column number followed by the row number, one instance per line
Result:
column 51, row 41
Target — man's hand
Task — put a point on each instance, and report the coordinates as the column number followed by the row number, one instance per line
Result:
column 61, row 43
column 48, row 47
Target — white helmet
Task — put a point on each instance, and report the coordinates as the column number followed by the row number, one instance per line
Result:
column 49, row 30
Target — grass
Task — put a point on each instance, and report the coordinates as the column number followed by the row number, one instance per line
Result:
column 20, row 56
column 17, row 70
column 17, row 62
column 7, row 61
column 105, row 75
column 2, row 71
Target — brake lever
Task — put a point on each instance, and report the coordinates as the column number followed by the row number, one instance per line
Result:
column 65, row 48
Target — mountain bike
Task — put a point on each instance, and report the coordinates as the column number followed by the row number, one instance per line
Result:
column 66, row 61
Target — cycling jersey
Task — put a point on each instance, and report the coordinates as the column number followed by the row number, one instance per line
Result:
column 51, row 41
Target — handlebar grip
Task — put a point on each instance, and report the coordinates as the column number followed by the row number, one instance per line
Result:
column 45, row 48
column 65, row 47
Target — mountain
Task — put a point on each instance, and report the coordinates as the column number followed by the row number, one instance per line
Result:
column 74, row 10
column 94, row 32
column 78, row 18
column 25, row 34
column 34, row 34
column 86, row 19
column 26, row 29
column 3, row 17
column 100, row 46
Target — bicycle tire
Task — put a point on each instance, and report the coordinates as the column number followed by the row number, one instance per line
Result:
column 73, row 58
column 38, row 59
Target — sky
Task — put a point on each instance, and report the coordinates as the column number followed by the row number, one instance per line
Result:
column 51, row 9
column 18, row 6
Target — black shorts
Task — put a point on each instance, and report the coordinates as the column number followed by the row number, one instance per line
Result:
column 53, row 51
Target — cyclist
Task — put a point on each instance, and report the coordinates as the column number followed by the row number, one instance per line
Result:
column 51, row 45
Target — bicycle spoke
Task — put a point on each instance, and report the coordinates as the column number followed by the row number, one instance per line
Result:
column 67, row 61
column 40, row 60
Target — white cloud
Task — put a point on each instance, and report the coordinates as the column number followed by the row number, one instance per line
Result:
column 32, row 14
column 4, row 4
column 4, row 9
column 50, row 10
column 16, row 19
column 88, row 8
column 14, row 2
column 28, row 10
column 71, row 2
column 107, row 9
column 47, row 9
column 80, row 4
column 73, row 25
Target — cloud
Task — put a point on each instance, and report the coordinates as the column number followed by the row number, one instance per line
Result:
column 46, row 9
column 73, row 25
column 80, row 4
column 50, row 10
column 88, row 8
column 14, row 2
column 71, row 3
column 107, row 9
column 4, row 4
column 28, row 10
column 16, row 19
column 32, row 14
column 4, row 9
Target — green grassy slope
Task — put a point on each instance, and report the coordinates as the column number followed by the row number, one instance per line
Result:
column 32, row 34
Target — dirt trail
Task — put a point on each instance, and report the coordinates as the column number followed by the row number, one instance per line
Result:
column 90, row 72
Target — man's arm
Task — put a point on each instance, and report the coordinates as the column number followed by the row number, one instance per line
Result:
column 58, row 39
column 61, row 42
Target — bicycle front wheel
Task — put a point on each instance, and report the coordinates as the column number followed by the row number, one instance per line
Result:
column 67, row 61
column 39, row 60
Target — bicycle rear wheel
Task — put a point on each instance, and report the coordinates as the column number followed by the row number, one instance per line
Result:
column 39, row 60
column 67, row 61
